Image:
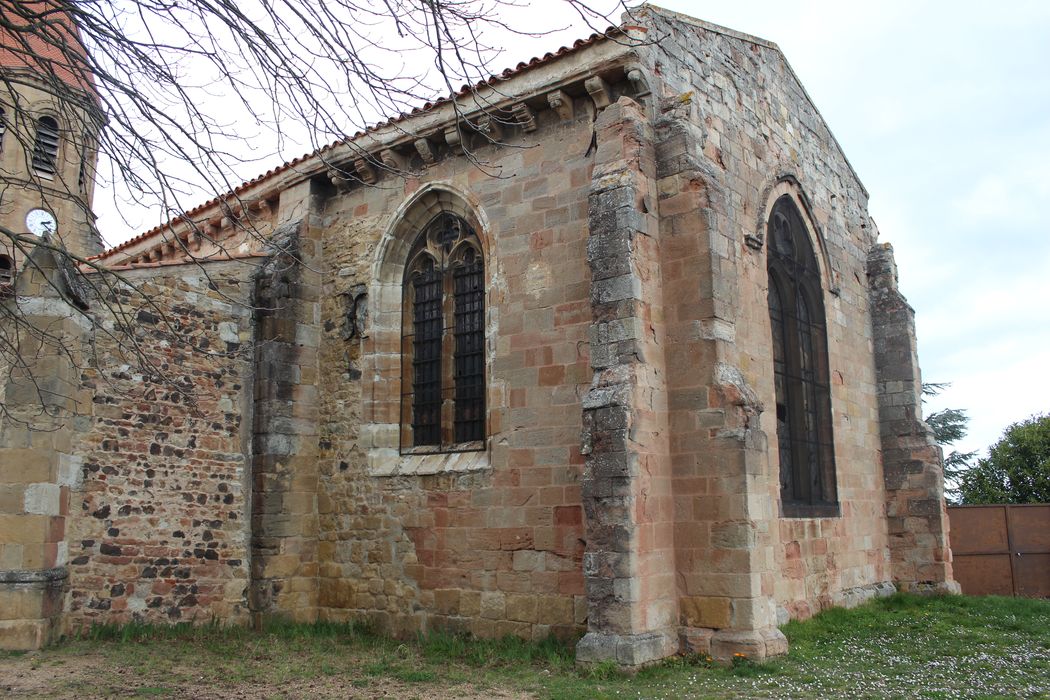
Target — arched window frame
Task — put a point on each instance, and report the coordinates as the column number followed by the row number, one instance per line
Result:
column 443, row 340
column 805, row 440
column 46, row 142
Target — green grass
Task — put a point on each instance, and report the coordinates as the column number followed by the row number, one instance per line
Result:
column 903, row 646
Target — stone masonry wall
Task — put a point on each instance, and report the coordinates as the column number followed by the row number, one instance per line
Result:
column 67, row 195
column 491, row 544
column 42, row 399
column 159, row 526
column 916, row 513
column 753, row 135
column 284, row 425
column 627, row 490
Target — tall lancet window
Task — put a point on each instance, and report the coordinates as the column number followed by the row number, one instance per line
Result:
column 800, row 368
column 443, row 344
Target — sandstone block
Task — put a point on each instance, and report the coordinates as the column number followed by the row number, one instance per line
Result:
column 521, row 608
column 705, row 611
column 493, row 605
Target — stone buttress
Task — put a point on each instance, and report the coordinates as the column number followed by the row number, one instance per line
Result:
column 913, row 471
column 285, row 457
column 626, row 485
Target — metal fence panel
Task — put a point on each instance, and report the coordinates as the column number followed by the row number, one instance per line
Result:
column 1001, row 549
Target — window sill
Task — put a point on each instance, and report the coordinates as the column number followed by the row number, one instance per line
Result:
column 810, row 510
column 475, row 446
column 391, row 462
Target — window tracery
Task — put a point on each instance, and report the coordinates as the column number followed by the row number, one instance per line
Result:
column 800, row 367
column 443, row 329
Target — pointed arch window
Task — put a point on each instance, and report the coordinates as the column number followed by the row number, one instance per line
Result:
column 443, row 340
column 45, row 146
column 800, row 368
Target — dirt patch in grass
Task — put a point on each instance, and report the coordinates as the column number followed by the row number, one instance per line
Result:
column 94, row 675
column 905, row 646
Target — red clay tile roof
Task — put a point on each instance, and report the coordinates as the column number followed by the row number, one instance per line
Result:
column 39, row 49
column 463, row 92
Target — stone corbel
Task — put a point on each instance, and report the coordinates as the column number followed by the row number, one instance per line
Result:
column 561, row 104
column 755, row 241
column 214, row 227
column 426, row 151
column 454, row 139
column 365, row 171
column 397, row 162
column 339, row 179
column 524, row 116
column 636, row 77
column 490, row 127
column 599, row 91
column 260, row 208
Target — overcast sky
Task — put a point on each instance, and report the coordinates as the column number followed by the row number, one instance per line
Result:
column 944, row 110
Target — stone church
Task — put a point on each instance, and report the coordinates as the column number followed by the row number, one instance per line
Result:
column 644, row 379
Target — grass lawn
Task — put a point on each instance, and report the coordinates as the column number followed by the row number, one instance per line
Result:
column 900, row 647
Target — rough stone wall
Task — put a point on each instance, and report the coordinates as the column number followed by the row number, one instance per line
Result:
column 741, row 131
column 491, row 544
column 917, row 516
column 159, row 525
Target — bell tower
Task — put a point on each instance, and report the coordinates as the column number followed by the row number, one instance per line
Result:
column 50, row 120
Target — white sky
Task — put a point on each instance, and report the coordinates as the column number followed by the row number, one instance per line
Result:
column 944, row 110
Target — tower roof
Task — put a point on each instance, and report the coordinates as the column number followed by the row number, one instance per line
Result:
column 41, row 36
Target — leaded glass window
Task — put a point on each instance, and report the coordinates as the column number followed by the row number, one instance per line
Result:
column 800, row 368
column 443, row 349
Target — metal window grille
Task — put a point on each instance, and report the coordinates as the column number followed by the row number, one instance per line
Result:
column 469, row 376
column 426, row 358
column 45, row 147
column 445, row 304
column 800, row 367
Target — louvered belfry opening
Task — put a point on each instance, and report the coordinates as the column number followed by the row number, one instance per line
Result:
column 45, row 146
column 443, row 344
column 800, row 368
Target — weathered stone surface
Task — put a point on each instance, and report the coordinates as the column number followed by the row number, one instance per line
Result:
column 628, row 482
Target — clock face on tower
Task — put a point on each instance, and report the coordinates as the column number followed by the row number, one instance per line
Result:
column 41, row 222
